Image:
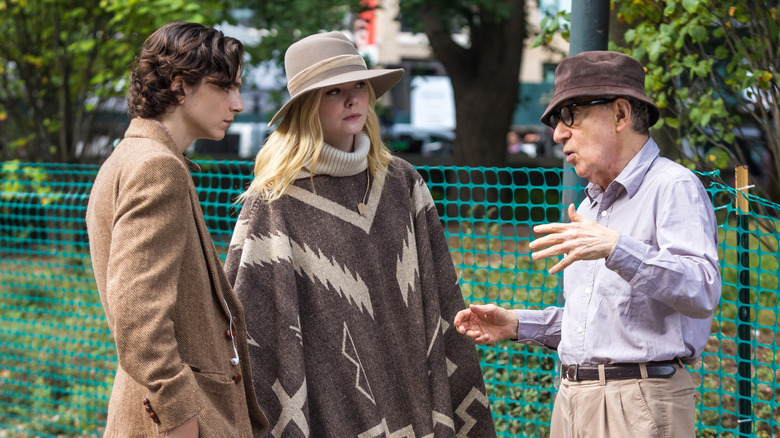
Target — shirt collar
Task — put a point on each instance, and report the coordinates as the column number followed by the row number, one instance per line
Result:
column 630, row 178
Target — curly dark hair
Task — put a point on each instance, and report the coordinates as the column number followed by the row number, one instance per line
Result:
column 189, row 51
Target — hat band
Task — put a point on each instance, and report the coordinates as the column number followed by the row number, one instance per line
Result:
column 300, row 80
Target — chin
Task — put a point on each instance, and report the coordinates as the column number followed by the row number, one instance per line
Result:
column 580, row 172
column 217, row 136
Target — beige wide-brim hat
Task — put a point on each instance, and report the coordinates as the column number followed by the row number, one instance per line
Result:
column 597, row 74
column 326, row 59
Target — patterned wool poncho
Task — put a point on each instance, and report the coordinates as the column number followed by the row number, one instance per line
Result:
column 350, row 316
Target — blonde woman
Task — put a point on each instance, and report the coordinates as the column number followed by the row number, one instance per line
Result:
column 341, row 264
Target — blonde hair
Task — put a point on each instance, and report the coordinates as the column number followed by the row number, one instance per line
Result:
column 297, row 143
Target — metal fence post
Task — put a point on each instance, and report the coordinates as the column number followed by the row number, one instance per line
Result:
column 744, row 327
column 589, row 31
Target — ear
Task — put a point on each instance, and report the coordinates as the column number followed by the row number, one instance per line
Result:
column 178, row 88
column 622, row 113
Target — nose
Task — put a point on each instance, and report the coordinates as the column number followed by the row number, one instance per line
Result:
column 351, row 99
column 561, row 132
column 237, row 103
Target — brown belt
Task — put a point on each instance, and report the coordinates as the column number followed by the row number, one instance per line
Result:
column 617, row 371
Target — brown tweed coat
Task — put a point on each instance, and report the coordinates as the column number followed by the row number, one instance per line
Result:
column 165, row 295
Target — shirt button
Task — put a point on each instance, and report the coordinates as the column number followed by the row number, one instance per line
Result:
column 587, row 291
column 580, row 330
column 604, row 213
column 617, row 271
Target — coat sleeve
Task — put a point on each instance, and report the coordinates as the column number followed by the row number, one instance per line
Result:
column 147, row 248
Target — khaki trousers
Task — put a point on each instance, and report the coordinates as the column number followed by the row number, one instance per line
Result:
column 631, row 408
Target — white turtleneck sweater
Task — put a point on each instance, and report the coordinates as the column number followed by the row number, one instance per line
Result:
column 335, row 162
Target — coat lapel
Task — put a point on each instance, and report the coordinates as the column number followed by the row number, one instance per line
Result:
column 218, row 280
column 148, row 128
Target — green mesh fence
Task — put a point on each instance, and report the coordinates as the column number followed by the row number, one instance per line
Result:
column 57, row 357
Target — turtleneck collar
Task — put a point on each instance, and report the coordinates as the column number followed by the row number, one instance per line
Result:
column 335, row 162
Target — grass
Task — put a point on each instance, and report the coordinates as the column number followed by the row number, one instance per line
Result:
column 58, row 359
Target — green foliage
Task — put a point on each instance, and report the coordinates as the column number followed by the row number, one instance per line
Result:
column 551, row 25
column 456, row 15
column 283, row 23
column 712, row 69
column 61, row 60
column 16, row 179
column 23, row 196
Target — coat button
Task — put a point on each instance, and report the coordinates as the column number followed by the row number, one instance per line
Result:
column 237, row 378
column 229, row 334
column 152, row 414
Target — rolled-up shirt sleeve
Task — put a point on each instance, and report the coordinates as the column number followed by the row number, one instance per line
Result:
column 540, row 327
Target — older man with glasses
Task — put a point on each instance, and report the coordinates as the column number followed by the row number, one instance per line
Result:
column 640, row 255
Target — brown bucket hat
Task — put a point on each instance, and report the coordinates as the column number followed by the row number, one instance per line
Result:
column 326, row 59
column 599, row 73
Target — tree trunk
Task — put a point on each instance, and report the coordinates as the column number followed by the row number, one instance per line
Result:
column 485, row 79
column 483, row 112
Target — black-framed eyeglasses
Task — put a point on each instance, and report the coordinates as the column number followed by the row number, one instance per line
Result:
column 566, row 115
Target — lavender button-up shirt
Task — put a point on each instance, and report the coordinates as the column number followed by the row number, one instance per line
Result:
column 653, row 298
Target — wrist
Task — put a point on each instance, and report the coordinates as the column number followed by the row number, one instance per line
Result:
column 513, row 326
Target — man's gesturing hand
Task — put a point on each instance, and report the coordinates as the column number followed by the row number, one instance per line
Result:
column 486, row 324
column 582, row 239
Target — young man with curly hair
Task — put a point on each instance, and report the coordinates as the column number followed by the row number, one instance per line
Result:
column 180, row 333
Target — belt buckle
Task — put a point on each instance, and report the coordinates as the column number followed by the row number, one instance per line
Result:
column 576, row 372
